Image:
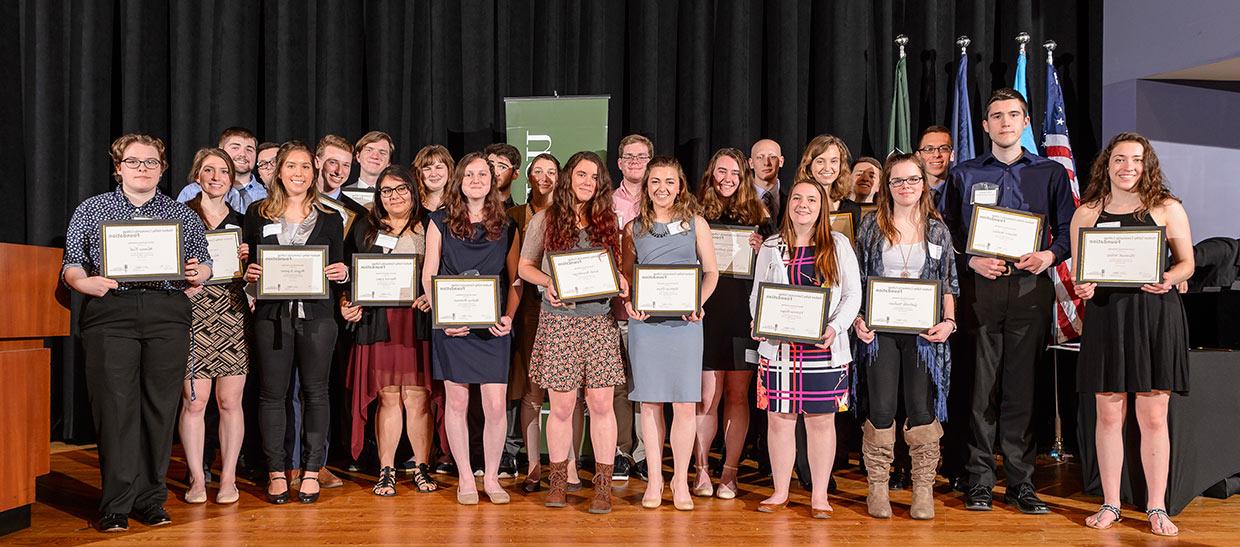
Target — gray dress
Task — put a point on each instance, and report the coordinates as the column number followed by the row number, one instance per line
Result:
column 666, row 354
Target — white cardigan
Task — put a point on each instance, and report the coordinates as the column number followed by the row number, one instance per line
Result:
column 772, row 267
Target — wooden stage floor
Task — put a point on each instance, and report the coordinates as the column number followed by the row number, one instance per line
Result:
column 352, row 515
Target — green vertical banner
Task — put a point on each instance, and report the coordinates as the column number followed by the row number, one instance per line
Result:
column 562, row 126
column 898, row 138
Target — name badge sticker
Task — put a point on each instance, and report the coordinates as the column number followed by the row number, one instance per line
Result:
column 934, row 250
column 386, row 241
column 676, row 228
column 271, row 230
column 985, row 193
column 1112, row 224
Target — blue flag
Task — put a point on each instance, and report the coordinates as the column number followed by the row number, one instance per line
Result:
column 962, row 118
column 1026, row 138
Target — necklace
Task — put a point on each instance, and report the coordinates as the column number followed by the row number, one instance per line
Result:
column 905, row 258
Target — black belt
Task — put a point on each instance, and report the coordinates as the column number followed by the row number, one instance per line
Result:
column 142, row 290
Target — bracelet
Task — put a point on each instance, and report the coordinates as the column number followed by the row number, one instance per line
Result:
column 955, row 327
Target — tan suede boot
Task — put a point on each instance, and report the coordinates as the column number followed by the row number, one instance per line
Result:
column 556, row 496
column 877, row 446
column 601, row 505
column 923, row 450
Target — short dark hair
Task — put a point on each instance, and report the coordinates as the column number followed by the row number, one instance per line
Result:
column 267, row 146
column 506, row 151
column 1007, row 94
column 935, row 129
column 235, row 131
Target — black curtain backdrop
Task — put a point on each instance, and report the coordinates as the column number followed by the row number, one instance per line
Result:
column 692, row 75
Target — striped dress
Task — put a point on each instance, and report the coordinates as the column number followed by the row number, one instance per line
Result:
column 804, row 380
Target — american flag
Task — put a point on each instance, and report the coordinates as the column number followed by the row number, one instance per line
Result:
column 1068, row 308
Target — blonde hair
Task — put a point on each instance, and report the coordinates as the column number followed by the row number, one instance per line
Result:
column 842, row 187
column 684, row 206
column 273, row 207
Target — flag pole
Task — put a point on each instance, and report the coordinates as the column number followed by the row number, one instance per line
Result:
column 1057, row 452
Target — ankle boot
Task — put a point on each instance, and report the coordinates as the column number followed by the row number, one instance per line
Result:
column 556, row 496
column 923, row 450
column 602, row 489
column 877, row 446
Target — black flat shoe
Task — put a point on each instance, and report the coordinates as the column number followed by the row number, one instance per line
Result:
column 979, row 498
column 308, row 498
column 1025, row 499
column 282, row 497
column 113, row 522
column 154, row 515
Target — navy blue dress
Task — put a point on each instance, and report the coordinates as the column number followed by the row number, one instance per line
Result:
column 478, row 358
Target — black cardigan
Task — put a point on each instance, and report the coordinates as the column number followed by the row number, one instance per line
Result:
column 328, row 230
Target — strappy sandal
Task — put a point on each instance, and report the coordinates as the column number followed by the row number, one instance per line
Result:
column 724, row 491
column 1106, row 507
column 422, row 481
column 1152, row 513
column 386, row 486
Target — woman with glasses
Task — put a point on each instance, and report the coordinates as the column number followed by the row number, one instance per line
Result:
column 806, row 379
column 388, row 361
column 907, row 239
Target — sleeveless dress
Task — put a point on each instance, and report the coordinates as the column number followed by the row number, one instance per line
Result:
column 479, row 357
column 729, row 337
column 219, row 334
column 1133, row 341
column 665, row 353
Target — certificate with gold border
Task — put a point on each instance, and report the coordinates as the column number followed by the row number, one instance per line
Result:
column 792, row 313
column 1121, row 256
column 1003, row 233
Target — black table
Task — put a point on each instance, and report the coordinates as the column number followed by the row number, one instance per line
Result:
column 1205, row 434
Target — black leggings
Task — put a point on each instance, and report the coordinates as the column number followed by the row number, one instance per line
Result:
column 897, row 357
column 282, row 345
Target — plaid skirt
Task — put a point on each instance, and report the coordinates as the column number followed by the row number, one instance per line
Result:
column 802, row 386
column 571, row 352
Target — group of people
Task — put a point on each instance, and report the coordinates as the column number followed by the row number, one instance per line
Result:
column 149, row 343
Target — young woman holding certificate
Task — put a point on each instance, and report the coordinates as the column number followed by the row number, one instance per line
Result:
column 472, row 235
column 389, row 361
column 135, row 334
column 806, row 378
column 290, row 332
column 666, row 352
column 578, row 344
column 1134, row 343
column 905, row 238
column 220, row 345
column 727, row 197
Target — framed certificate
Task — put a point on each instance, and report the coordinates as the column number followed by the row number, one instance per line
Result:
column 344, row 212
column 584, row 274
column 222, row 245
column 1003, row 233
column 464, row 301
column 792, row 313
column 363, row 196
column 292, row 272
column 142, row 250
column 895, row 304
column 732, row 251
column 1121, row 256
column 384, row 279
column 667, row 290
column 843, row 223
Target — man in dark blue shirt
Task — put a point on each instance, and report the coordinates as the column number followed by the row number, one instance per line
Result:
column 1012, row 301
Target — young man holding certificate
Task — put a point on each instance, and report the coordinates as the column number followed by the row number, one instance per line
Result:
column 1025, row 197
column 132, row 252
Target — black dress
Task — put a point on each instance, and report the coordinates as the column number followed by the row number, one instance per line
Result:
column 725, row 328
column 1133, row 341
column 479, row 357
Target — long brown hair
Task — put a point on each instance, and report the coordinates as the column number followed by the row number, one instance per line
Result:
column 529, row 168
column 824, row 245
column 378, row 215
column 684, row 206
column 599, row 217
column 743, row 206
column 195, row 204
column 1151, row 187
column 842, row 187
column 426, row 156
column 493, row 215
column 885, row 215
column 273, row 207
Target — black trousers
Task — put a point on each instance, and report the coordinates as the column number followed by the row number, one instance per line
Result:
column 896, row 362
column 284, row 345
column 1013, row 315
column 137, row 346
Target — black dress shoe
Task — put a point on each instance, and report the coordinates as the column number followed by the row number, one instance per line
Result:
column 154, row 515
column 282, row 497
column 898, row 479
column 1025, row 499
column 113, row 522
column 639, row 470
column 978, row 498
column 960, row 484
column 309, row 498
column 621, row 468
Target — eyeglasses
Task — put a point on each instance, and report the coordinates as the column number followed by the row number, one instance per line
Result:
column 149, row 163
column 500, row 167
column 896, row 183
column 264, row 164
column 942, row 149
column 402, row 190
column 635, row 157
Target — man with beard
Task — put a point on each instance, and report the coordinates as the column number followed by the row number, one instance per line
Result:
column 935, row 151
column 766, row 159
column 240, row 144
column 505, row 161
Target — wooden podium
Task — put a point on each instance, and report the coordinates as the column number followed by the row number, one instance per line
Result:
column 33, row 306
